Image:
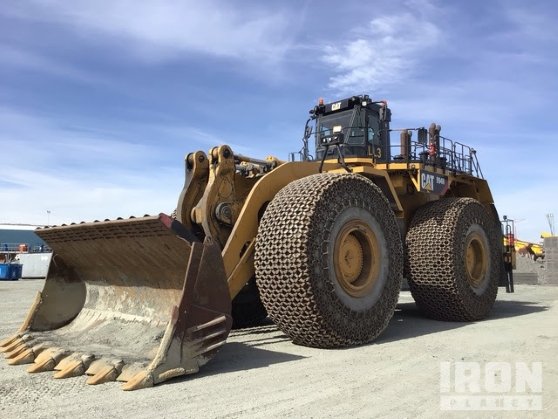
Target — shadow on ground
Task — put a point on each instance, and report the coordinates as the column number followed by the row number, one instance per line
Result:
column 237, row 356
column 503, row 309
column 409, row 322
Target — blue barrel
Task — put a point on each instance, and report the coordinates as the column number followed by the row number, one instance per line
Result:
column 10, row 271
column 16, row 269
column 5, row 271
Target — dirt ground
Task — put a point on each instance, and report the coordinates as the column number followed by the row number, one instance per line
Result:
column 260, row 373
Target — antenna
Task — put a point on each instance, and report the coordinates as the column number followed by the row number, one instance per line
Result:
column 550, row 219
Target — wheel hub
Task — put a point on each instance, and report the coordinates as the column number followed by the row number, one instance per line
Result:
column 351, row 258
column 476, row 260
column 356, row 258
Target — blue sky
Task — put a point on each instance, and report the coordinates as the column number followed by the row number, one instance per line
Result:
column 101, row 100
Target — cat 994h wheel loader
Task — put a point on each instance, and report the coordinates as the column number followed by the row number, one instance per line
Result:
column 324, row 242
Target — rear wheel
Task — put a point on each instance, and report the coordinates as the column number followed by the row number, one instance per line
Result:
column 453, row 259
column 329, row 260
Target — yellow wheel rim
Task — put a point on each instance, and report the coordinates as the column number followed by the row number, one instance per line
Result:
column 476, row 260
column 357, row 258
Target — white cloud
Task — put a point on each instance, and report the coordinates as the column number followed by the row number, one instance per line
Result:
column 73, row 199
column 80, row 173
column 170, row 29
column 384, row 53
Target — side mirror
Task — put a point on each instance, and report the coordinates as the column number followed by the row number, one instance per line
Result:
column 308, row 131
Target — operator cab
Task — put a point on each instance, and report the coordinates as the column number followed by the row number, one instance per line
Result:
column 359, row 127
column 356, row 127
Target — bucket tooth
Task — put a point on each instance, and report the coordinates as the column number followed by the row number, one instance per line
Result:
column 16, row 351
column 102, row 371
column 141, row 380
column 73, row 369
column 25, row 357
column 129, row 371
column 105, row 375
column 12, row 345
column 8, row 341
column 73, row 366
column 47, row 360
column 46, row 364
column 28, row 356
column 102, row 363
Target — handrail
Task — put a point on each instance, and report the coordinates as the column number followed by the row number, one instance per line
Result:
column 452, row 155
column 23, row 248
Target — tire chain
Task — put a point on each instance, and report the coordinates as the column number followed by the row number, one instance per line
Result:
column 435, row 266
column 291, row 261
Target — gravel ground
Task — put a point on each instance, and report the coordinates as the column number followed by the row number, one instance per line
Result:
column 260, row 373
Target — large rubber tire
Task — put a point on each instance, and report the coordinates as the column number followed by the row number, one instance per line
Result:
column 247, row 307
column 453, row 259
column 310, row 224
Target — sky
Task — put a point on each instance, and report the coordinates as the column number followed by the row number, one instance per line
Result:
column 100, row 100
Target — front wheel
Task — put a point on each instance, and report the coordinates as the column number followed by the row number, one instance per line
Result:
column 329, row 260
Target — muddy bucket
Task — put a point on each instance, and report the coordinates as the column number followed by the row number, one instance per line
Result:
column 138, row 300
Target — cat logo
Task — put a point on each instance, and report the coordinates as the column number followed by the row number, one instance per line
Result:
column 427, row 181
column 336, row 106
column 433, row 182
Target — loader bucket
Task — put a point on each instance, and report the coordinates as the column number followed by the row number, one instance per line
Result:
column 138, row 300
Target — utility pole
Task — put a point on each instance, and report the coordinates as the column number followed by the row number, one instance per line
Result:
column 550, row 219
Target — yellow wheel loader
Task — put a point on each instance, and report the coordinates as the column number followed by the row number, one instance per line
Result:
column 319, row 244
